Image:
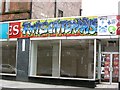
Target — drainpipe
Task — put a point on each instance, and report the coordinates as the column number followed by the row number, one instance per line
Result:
column 55, row 5
column 30, row 9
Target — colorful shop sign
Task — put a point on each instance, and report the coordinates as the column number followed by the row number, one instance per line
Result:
column 4, row 30
column 82, row 26
column 107, row 25
column 79, row 26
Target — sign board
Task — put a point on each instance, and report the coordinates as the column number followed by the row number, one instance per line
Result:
column 107, row 25
column 82, row 26
column 62, row 27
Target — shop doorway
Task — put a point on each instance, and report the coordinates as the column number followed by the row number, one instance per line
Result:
column 110, row 67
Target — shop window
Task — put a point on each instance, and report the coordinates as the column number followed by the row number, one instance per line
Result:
column 71, row 58
column 77, row 58
column 8, row 57
column 60, row 13
column 46, row 57
column 44, row 60
column 110, row 45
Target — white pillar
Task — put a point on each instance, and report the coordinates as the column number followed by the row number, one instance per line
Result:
column 94, row 59
column 99, row 61
column 33, row 61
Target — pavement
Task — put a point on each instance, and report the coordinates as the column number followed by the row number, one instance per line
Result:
column 18, row 85
column 107, row 85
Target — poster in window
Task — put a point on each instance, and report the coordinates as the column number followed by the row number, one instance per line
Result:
column 106, row 67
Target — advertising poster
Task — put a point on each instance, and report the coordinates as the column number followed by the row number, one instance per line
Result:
column 106, row 67
column 4, row 30
column 107, row 25
column 115, row 65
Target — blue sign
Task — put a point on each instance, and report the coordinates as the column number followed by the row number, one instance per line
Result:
column 4, row 30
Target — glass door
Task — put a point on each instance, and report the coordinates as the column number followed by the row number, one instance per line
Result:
column 109, row 67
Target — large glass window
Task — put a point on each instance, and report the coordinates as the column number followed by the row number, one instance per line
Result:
column 62, row 58
column 46, row 57
column 110, row 45
column 8, row 57
column 77, row 58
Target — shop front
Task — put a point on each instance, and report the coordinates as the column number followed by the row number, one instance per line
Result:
column 8, row 51
column 108, row 60
column 73, row 48
column 110, row 66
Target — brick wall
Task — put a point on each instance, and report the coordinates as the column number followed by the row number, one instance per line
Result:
column 21, row 10
column 15, row 6
column 18, row 10
column 8, row 17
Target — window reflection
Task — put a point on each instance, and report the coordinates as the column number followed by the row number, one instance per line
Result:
column 8, row 57
column 77, row 58
column 47, row 52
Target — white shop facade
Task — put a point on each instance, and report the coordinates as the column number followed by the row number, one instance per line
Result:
column 73, row 48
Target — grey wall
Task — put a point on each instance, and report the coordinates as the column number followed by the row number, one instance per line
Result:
column 22, row 60
column 46, row 9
